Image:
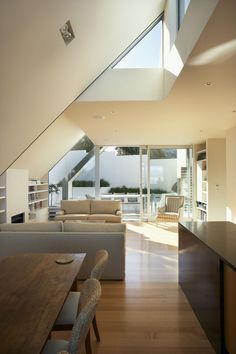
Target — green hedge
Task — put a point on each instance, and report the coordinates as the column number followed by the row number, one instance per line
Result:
column 126, row 190
column 77, row 183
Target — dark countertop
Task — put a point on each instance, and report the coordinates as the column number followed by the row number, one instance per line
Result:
column 220, row 236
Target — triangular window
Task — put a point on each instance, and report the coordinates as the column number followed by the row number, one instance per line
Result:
column 147, row 53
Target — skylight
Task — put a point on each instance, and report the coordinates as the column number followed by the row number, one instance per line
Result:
column 147, row 53
column 182, row 8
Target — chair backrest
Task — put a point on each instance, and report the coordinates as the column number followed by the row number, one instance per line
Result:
column 174, row 203
column 101, row 259
column 89, row 296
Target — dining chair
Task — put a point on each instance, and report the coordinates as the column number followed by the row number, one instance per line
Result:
column 73, row 303
column 80, row 335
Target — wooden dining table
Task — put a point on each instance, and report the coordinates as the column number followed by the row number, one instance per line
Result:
column 33, row 290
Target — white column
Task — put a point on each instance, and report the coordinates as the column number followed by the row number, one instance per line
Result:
column 97, row 171
column 148, row 183
column 141, row 181
column 70, row 189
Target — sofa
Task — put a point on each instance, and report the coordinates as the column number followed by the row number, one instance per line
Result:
column 91, row 210
column 68, row 237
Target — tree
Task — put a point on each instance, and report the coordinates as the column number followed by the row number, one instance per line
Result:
column 127, row 150
column 165, row 153
column 52, row 188
column 84, row 144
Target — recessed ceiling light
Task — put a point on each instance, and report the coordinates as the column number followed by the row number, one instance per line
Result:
column 208, row 83
column 98, row 116
column 67, row 32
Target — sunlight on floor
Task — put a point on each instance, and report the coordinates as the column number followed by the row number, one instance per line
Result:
column 165, row 233
column 148, row 312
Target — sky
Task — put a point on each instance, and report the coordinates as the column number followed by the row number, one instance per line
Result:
column 147, row 53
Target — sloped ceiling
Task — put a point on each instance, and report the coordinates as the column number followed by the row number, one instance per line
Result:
column 147, row 84
column 193, row 111
column 40, row 75
column 50, row 147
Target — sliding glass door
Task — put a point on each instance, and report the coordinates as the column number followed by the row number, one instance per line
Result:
column 164, row 171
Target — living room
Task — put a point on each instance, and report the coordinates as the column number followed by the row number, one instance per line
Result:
column 54, row 93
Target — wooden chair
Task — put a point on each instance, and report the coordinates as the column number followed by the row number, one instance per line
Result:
column 171, row 210
column 89, row 296
column 71, row 308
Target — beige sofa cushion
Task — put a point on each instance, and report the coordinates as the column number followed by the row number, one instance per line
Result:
column 51, row 226
column 105, row 218
column 76, row 206
column 104, row 206
column 73, row 226
column 72, row 217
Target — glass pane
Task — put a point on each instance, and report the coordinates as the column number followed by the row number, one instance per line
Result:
column 147, row 53
column 70, row 167
column 83, row 186
column 119, row 167
column 170, row 173
column 144, row 183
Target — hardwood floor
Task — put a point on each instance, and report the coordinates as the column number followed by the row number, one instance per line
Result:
column 148, row 312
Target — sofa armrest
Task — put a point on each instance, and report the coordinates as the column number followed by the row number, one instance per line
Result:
column 118, row 212
column 179, row 209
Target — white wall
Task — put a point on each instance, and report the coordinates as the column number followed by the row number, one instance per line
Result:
column 216, row 171
column 178, row 44
column 120, row 170
column 43, row 154
column 231, row 174
column 125, row 170
column 17, row 193
column 163, row 174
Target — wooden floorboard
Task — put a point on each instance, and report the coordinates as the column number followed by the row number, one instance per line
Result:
column 148, row 312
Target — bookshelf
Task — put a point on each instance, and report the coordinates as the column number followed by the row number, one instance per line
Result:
column 37, row 197
column 202, row 185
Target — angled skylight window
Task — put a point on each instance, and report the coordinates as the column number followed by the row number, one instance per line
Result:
column 147, row 53
column 182, row 8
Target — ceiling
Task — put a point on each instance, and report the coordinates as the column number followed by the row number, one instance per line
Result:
column 41, row 76
column 192, row 112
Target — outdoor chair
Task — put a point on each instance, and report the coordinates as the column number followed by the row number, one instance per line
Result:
column 72, row 306
column 88, row 196
column 89, row 296
column 171, row 210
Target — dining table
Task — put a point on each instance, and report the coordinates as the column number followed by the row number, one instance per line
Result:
column 34, row 288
